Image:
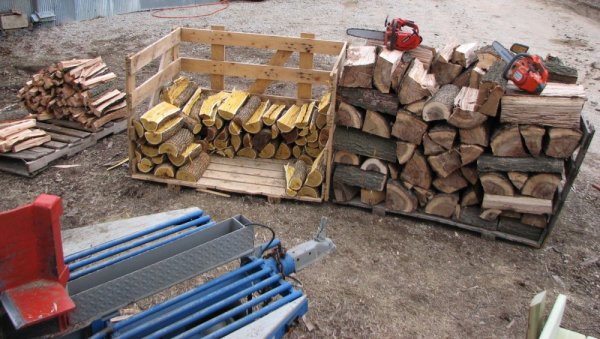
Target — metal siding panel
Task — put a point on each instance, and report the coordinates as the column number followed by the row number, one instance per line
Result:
column 23, row 5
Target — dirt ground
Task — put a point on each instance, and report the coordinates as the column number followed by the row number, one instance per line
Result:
column 390, row 277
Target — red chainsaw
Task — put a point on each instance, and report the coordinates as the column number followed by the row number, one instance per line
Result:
column 527, row 71
column 394, row 36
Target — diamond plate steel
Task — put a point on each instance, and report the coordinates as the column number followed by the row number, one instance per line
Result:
column 109, row 296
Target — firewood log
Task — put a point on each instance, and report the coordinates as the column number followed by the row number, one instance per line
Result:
column 343, row 192
column 409, row 127
column 313, row 152
column 386, row 63
column 496, row 183
column 517, row 204
column 306, row 158
column 229, row 108
column 248, row 152
column 541, row 186
column 351, row 175
column 398, row 198
column 470, row 153
column 445, row 163
column 450, row 184
column 289, row 137
column 15, row 127
column 417, row 84
column 236, row 142
column 261, row 139
column 191, row 124
column 166, row 131
column 283, row 152
column 465, row 54
column 246, row 111
column 164, row 171
column 533, row 137
column 30, row 143
column 416, row 171
column 192, row 106
column 491, row 89
column 443, row 135
column 189, row 153
column 559, row 72
column 234, row 129
column 254, row 123
column 300, row 170
column 370, row 99
column 376, row 124
column 324, row 137
column 372, row 198
column 404, row 151
column 344, row 157
column 304, row 117
column 464, row 114
column 562, row 142
column 275, row 133
column 158, row 116
column 398, row 73
column 272, row 114
column 193, row 170
column 470, row 197
column 13, row 139
column 506, row 142
column 310, row 192
column 145, row 165
column 348, row 115
column 518, row 179
column 430, row 147
column 478, row 135
column 487, row 163
column 316, row 173
column 350, row 140
column 443, row 205
column 358, row 67
column 287, row 121
column 176, row 144
column 180, row 92
column 470, row 173
column 211, row 133
column 269, row 150
column 490, row 214
column 209, row 108
column 440, row 106
column 535, row 220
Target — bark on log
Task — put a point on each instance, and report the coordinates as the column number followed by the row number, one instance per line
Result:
column 166, row 131
column 559, row 72
column 247, row 111
column 261, row 139
column 404, row 151
column 194, row 170
column 191, row 152
column 470, row 153
column 517, row 204
column 350, row 140
column 370, row 99
column 299, row 172
column 354, row 176
column 176, row 144
column 450, row 184
column 398, row 198
column 440, row 106
column 443, row 135
column 343, row 192
column 344, row 157
column 491, row 89
column 478, row 135
column 470, row 173
column 488, row 163
column 417, row 84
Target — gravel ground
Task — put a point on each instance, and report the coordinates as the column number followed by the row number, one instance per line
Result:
column 391, row 277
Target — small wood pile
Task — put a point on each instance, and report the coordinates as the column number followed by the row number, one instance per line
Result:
column 17, row 130
column 81, row 90
column 441, row 132
column 191, row 121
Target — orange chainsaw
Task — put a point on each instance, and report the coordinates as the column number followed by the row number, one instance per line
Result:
column 393, row 37
column 527, row 71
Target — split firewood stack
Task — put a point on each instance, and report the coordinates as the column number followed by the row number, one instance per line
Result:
column 191, row 121
column 81, row 90
column 441, row 132
column 17, row 130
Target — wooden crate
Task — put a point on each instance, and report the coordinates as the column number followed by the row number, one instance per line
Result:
column 505, row 228
column 67, row 139
column 224, row 174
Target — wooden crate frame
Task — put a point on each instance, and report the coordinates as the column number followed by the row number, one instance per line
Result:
column 572, row 166
column 305, row 76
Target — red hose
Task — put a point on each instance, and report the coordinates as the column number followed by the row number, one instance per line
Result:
column 225, row 4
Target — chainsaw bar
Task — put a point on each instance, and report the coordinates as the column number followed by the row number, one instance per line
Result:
column 370, row 34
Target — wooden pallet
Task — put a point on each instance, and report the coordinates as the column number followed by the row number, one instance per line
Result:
column 65, row 142
column 504, row 228
column 239, row 175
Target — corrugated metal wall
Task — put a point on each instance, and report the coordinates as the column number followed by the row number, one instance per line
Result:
column 77, row 10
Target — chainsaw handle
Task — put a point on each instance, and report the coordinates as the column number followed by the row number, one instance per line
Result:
column 539, row 66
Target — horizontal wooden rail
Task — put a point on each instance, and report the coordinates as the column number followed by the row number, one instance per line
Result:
column 155, row 50
column 261, row 41
column 149, row 86
column 253, row 71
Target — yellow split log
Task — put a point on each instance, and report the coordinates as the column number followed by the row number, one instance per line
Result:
column 232, row 104
column 287, row 121
column 272, row 114
column 158, row 115
column 164, row 132
column 255, row 123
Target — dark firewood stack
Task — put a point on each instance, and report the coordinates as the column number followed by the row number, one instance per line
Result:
column 80, row 90
column 191, row 121
column 442, row 133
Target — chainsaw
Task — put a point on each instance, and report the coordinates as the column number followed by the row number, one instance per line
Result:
column 393, row 37
column 527, row 71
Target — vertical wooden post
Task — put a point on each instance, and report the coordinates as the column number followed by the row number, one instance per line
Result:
column 165, row 60
column 536, row 315
column 129, row 89
column 306, row 61
column 217, row 53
